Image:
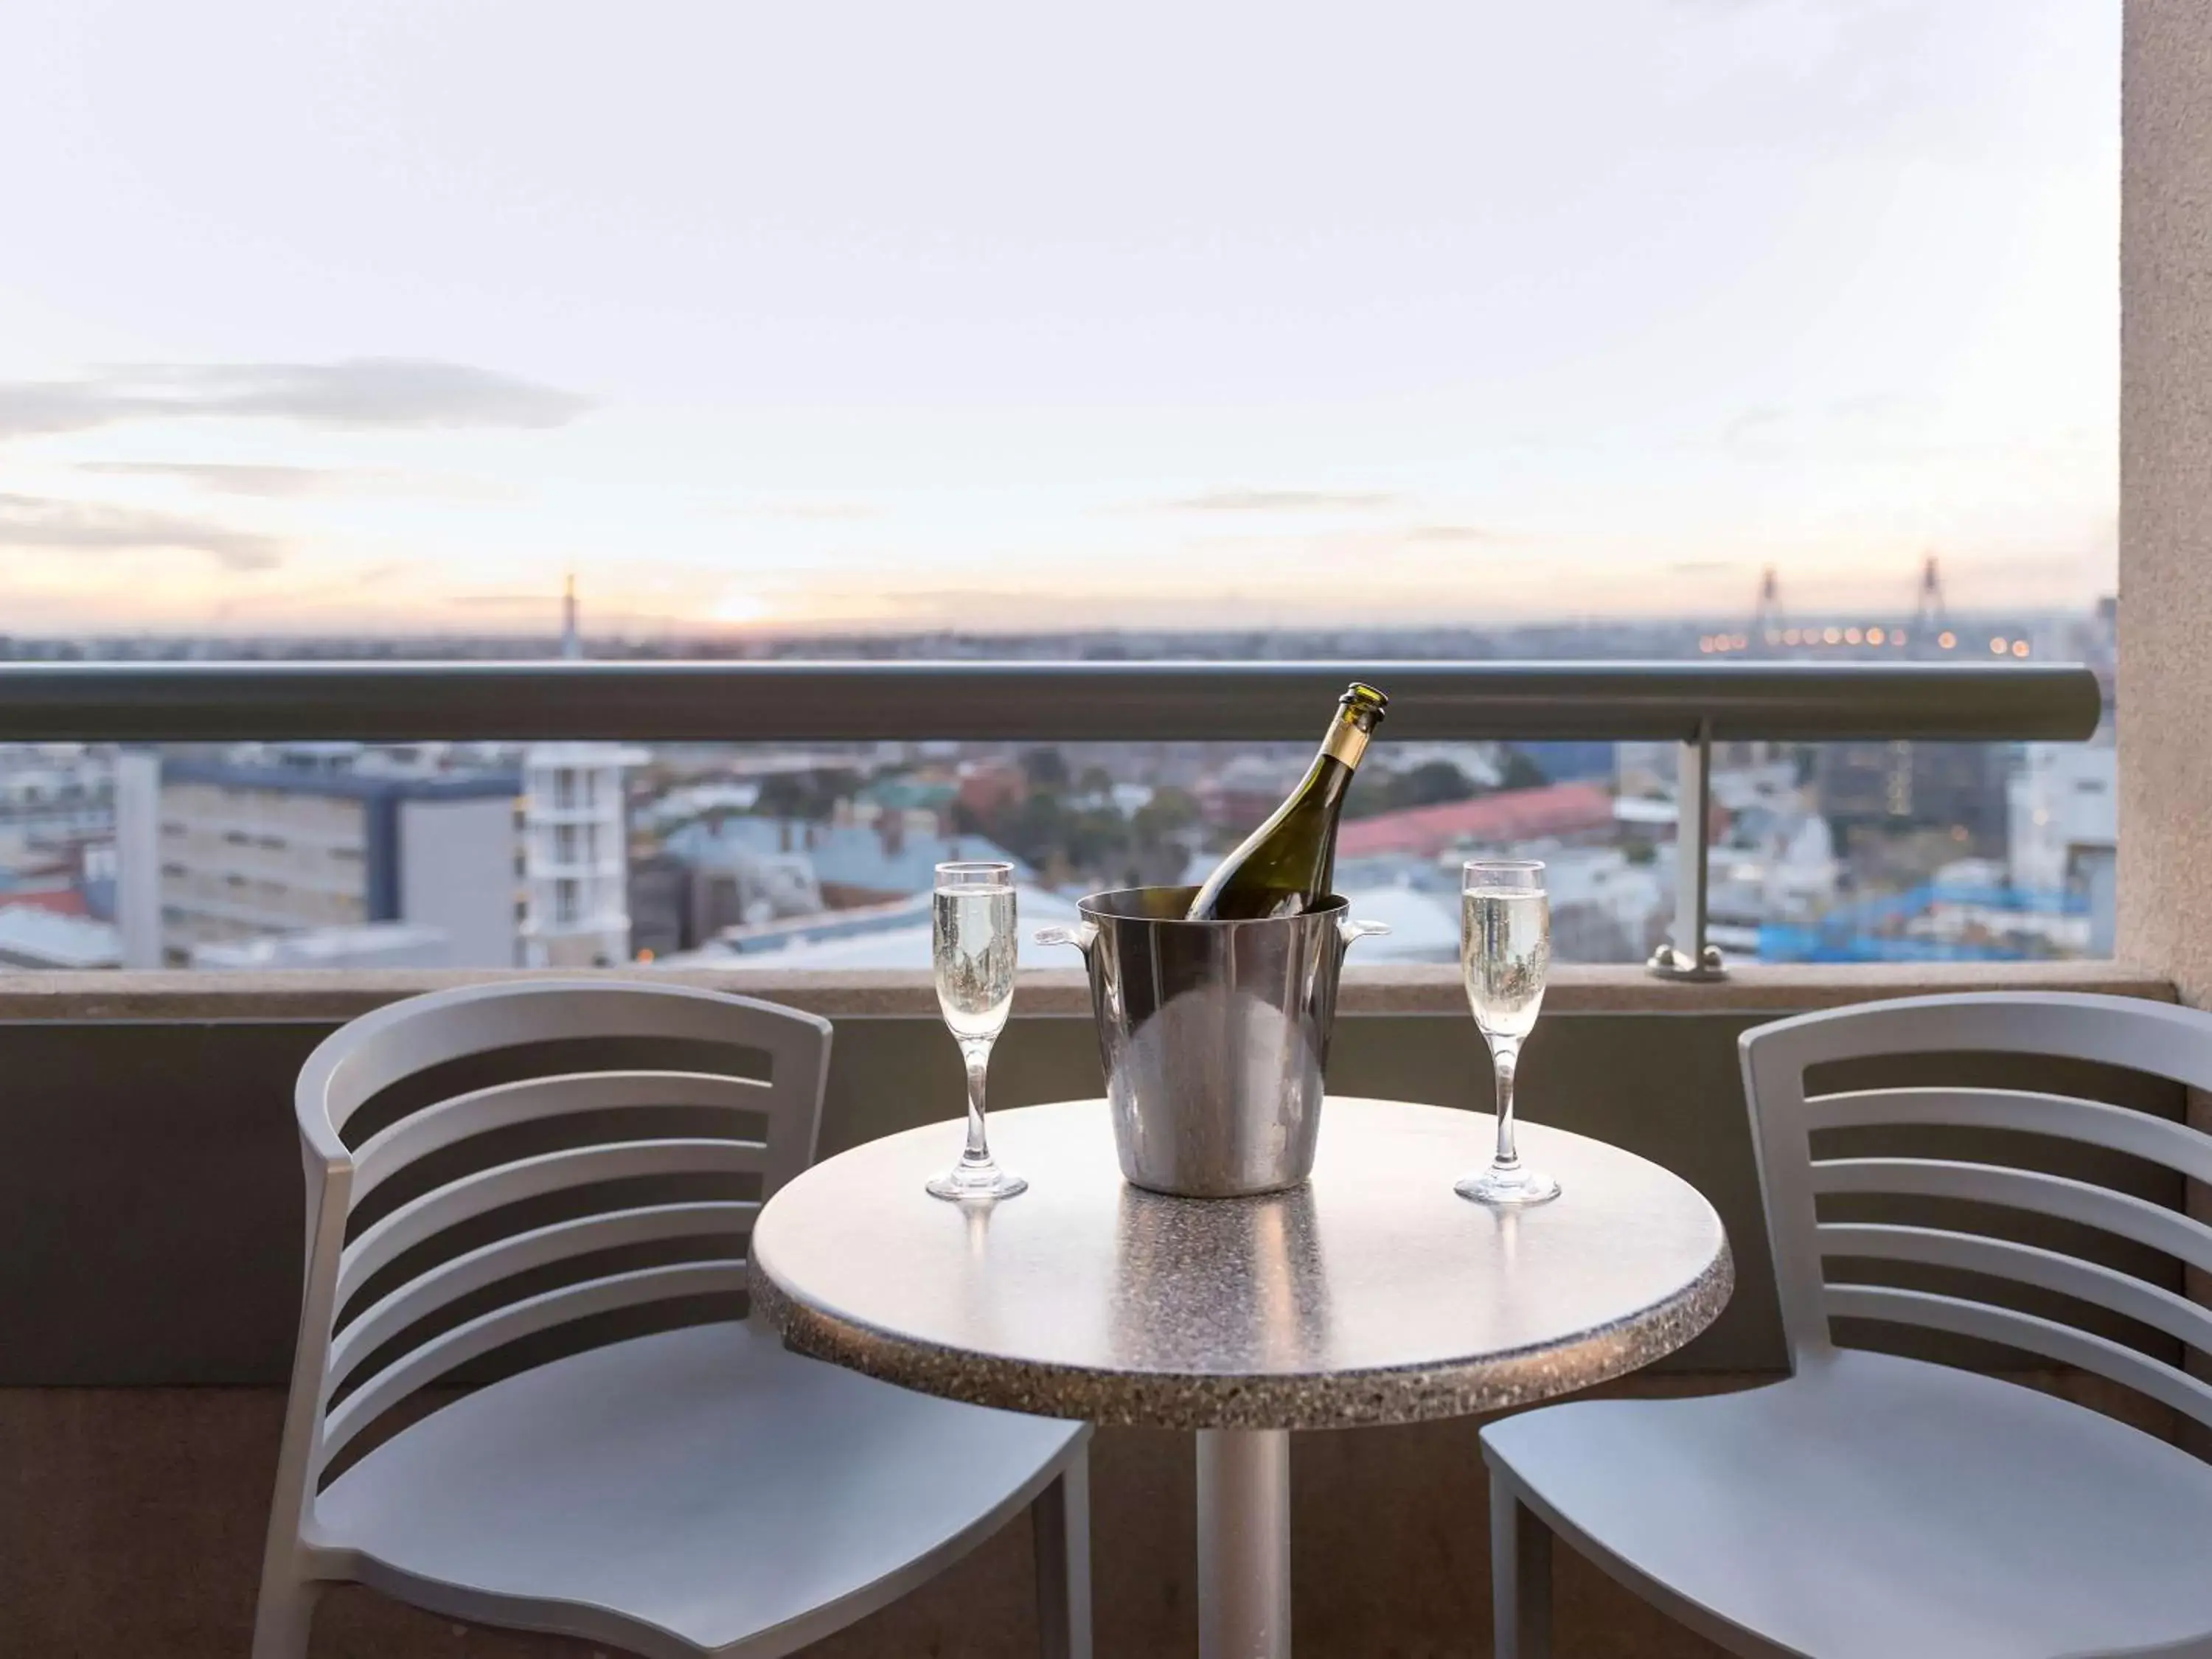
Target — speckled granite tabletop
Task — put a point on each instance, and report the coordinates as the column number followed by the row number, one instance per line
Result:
column 1373, row 1294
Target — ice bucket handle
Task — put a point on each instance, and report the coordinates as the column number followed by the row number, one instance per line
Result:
column 1082, row 936
column 1352, row 931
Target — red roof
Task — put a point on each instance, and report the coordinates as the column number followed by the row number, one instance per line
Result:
column 1558, row 809
column 58, row 901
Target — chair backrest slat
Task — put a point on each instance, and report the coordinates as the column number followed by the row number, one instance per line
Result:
column 2084, row 1201
column 2029, row 1333
column 395, row 1043
column 2138, row 1036
column 2159, row 1139
column 2156, row 1037
column 424, row 1218
column 2026, row 1264
column 501, row 1326
column 449, row 1123
column 502, row 1258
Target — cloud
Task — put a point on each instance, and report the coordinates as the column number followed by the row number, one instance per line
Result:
column 545, row 601
column 362, row 392
column 226, row 478
column 1757, row 424
column 53, row 526
column 1282, row 501
column 1455, row 535
column 820, row 510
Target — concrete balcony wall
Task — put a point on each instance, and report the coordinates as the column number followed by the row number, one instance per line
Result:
column 149, row 1247
column 2165, row 920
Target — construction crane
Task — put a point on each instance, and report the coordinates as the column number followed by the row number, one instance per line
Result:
column 1931, row 626
column 1767, row 619
column 1931, row 634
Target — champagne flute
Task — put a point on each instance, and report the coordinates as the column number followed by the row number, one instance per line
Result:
column 1506, row 951
column 973, row 950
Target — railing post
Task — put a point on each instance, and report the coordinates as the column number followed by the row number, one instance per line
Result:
column 1686, row 955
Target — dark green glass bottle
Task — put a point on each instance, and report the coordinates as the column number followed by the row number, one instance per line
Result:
column 1288, row 865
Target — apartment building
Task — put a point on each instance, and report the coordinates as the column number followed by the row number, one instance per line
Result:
column 211, row 852
column 576, row 856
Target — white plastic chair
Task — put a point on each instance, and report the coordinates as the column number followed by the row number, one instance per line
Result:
column 1891, row 1507
column 696, row 1490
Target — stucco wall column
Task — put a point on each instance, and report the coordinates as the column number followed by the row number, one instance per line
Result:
column 2165, row 509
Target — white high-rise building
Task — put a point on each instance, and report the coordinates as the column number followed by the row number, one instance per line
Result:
column 576, row 843
column 575, row 855
column 2064, row 810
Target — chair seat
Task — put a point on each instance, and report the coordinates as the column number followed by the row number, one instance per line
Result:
column 1883, row 1507
column 682, row 1492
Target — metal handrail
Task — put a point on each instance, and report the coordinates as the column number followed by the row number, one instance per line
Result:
column 1692, row 704
column 1039, row 702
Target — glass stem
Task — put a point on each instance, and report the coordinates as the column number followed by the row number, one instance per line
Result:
column 1504, row 1057
column 977, row 1054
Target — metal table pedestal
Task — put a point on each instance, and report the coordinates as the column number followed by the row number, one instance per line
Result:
column 1243, row 1544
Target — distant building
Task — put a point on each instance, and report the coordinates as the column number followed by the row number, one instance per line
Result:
column 1423, row 923
column 1567, row 812
column 1605, row 908
column 1475, row 762
column 991, row 785
column 851, row 864
column 699, row 800
column 1773, row 858
column 2064, row 802
column 1967, row 912
column 1899, row 784
column 895, row 934
column 54, row 900
column 1241, row 795
column 921, row 800
column 1646, row 767
column 659, row 906
column 2100, row 882
column 55, row 793
column 576, row 856
column 36, row 936
column 213, row 854
column 740, row 889
column 375, row 944
column 1568, row 761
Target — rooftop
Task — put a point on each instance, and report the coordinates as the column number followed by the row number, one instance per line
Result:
column 858, row 855
column 1557, row 809
column 375, row 944
column 344, row 784
column 33, row 935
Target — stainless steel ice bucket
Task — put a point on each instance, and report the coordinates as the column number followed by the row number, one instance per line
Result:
column 1212, row 1034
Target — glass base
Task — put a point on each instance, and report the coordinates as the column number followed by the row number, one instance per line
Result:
column 1508, row 1187
column 965, row 1181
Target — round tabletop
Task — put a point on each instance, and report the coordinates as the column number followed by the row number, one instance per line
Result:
column 1372, row 1294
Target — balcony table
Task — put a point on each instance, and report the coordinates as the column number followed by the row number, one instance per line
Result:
column 1373, row 1294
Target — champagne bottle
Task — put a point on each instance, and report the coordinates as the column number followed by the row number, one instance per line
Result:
column 1288, row 866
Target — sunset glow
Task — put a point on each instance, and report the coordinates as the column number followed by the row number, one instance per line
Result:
column 1519, row 329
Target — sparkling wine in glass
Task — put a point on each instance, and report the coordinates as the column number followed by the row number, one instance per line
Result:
column 1506, row 954
column 973, row 950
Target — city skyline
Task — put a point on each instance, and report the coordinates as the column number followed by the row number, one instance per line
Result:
column 1478, row 317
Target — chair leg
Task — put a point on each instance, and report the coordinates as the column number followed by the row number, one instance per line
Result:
column 1519, row 1575
column 282, row 1621
column 1061, row 1519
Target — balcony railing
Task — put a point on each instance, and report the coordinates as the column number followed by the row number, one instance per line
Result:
column 1693, row 705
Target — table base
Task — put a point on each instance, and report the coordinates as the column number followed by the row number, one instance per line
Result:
column 1243, row 1544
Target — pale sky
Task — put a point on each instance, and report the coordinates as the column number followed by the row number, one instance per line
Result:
column 366, row 316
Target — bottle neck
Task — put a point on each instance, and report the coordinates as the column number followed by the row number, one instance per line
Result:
column 1347, row 741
